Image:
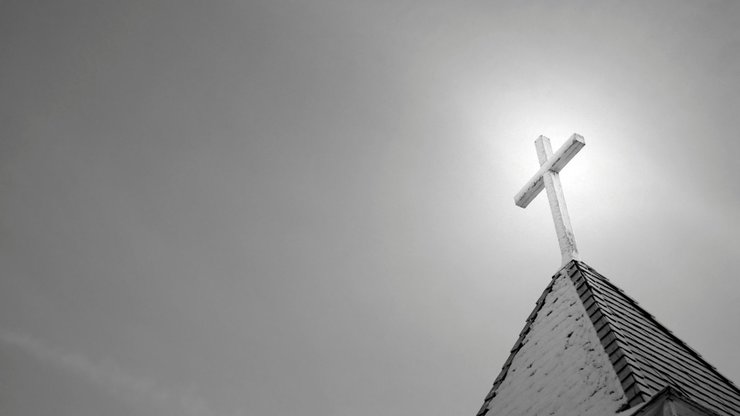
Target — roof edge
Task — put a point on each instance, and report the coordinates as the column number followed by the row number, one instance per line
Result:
column 517, row 345
column 610, row 335
column 660, row 326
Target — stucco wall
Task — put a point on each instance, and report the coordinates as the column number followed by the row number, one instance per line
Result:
column 561, row 369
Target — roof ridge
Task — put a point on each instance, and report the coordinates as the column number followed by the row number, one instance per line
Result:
column 612, row 338
column 657, row 323
column 658, row 359
column 517, row 345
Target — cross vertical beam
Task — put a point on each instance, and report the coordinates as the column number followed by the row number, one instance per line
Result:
column 563, row 229
column 548, row 178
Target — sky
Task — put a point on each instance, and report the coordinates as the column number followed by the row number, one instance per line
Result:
column 234, row 208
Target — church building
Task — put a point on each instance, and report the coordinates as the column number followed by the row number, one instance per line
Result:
column 588, row 349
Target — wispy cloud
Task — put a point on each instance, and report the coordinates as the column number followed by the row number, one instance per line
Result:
column 112, row 378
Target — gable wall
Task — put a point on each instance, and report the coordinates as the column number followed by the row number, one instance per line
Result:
column 561, row 368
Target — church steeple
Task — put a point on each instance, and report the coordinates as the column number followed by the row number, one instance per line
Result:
column 588, row 349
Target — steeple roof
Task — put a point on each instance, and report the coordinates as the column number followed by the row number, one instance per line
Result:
column 620, row 357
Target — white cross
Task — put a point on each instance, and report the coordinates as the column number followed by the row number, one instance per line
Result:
column 547, row 177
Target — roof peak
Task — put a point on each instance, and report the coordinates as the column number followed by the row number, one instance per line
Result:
column 645, row 356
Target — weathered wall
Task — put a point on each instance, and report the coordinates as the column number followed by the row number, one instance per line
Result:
column 561, row 369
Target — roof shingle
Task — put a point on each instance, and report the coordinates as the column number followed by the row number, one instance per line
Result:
column 646, row 355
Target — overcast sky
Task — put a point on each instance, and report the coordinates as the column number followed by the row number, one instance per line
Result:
column 306, row 207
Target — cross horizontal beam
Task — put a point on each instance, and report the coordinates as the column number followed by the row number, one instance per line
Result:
column 555, row 163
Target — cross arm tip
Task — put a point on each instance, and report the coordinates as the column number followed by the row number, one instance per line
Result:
column 519, row 201
column 578, row 138
column 529, row 192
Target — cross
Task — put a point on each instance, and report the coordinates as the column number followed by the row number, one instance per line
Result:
column 548, row 177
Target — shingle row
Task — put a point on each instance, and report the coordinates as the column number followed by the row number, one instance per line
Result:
column 646, row 355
